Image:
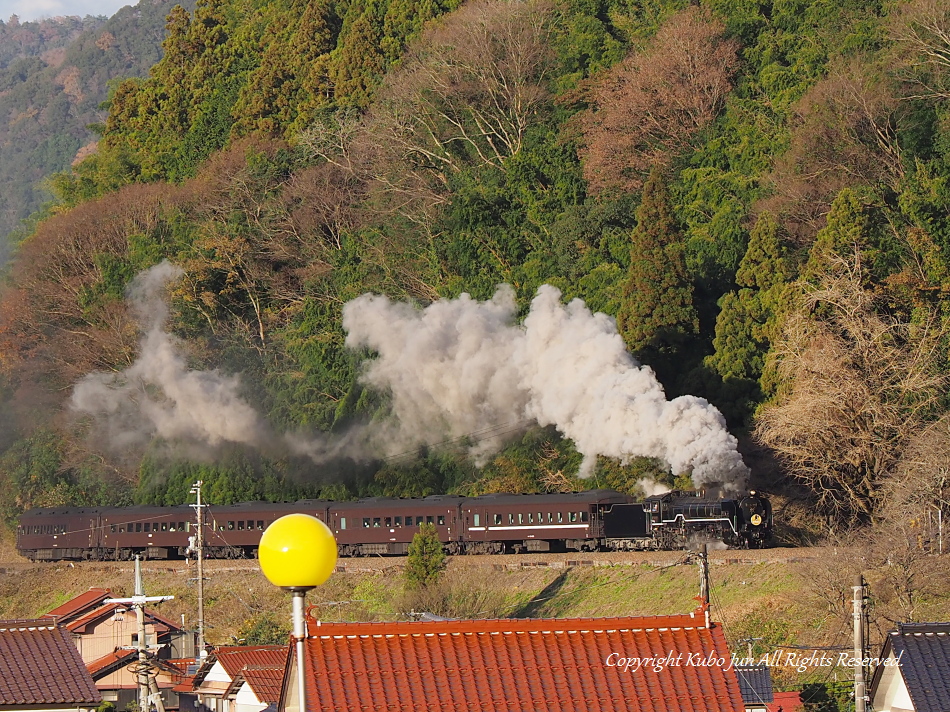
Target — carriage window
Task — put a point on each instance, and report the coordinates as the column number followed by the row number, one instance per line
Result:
column 260, row 524
column 584, row 516
column 389, row 521
column 573, row 516
column 375, row 521
column 112, row 528
column 342, row 522
column 148, row 526
column 428, row 520
column 497, row 519
column 560, row 517
column 530, row 518
column 440, row 519
column 520, row 518
column 366, row 522
column 241, row 525
column 138, row 526
column 540, row 518
column 230, row 526
column 398, row 521
column 476, row 520
column 550, row 517
column 511, row 518
column 121, row 530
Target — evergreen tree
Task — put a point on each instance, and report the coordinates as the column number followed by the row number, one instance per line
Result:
column 750, row 318
column 426, row 559
column 656, row 311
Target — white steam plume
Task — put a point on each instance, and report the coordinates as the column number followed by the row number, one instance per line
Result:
column 459, row 365
column 158, row 396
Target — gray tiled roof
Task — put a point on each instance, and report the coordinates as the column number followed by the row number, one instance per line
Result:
column 924, row 650
column 40, row 665
column 755, row 683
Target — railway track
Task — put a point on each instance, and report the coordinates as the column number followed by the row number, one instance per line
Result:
column 498, row 562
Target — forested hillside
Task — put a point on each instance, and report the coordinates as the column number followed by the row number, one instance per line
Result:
column 54, row 74
column 756, row 191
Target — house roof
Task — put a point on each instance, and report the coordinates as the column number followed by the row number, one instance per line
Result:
column 786, row 702
column 81, row 623
column 234, row 658
column 924, row 653
column 104, row 665
column 548, row 665
column 80, row 604
column 265, row 682
column 755, row 683
column 39, row 664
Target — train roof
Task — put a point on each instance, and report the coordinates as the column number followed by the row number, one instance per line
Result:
column 600, row 496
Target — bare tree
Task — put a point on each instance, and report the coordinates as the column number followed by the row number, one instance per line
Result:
column 465, row 94
column 858, row 385
column 844, row 134
column 647, row 107
column 922, row 31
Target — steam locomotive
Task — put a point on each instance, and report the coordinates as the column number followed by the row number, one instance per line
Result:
column 597, row 520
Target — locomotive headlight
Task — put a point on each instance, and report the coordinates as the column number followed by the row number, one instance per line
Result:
column 756, row 519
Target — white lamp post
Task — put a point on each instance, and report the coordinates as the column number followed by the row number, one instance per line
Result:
column 298, row 552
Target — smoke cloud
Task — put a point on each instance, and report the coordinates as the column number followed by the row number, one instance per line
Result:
column 456, row 370
column 158, row 396
column 460, row 365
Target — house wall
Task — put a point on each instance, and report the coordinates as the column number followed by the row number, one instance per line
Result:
column 115, row 631
column 892, row 694
column 246, row 700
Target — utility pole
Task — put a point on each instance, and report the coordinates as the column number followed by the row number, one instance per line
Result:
column 199, row 546
column 860, row 702
column 145, row 684
column 702, row 558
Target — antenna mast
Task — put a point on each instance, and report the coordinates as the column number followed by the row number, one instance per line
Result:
column 148, row 690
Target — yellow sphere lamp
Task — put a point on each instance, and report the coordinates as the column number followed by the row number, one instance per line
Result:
column 298, row 552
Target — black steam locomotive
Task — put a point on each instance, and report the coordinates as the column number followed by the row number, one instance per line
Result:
column 597, row 520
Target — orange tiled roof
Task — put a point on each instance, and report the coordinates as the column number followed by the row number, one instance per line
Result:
column 78, row 605
column 77, row 625
column 234, row 658
column 265, row 682
column 107, row 661
column 786, row 702
column 39, row 665
column 543, row 665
